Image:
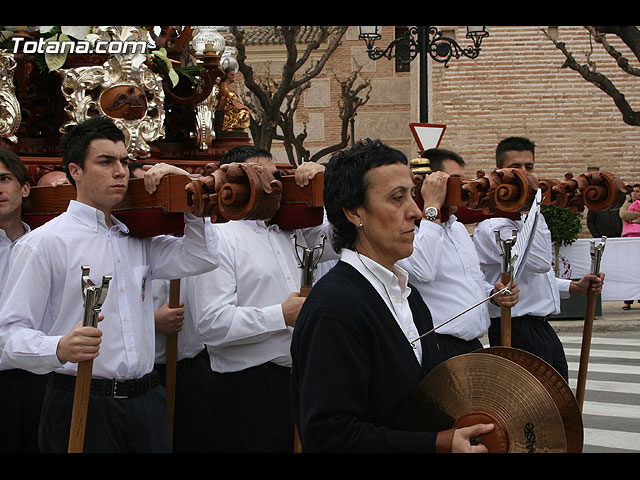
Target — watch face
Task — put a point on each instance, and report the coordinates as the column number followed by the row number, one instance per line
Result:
column 431, row 213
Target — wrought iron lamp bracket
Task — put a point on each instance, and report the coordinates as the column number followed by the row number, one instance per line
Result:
column 407, row 47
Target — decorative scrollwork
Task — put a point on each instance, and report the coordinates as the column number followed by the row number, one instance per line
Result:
column 406, row 48
column 205, row 112
column 123, row 88
column 442, row 49
column 10, row 116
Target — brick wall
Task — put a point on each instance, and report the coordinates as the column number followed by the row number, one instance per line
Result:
column 515, row 87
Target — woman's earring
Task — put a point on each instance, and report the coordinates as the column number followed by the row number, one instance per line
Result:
column 360, row 225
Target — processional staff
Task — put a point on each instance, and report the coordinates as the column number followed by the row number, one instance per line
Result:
column 514, row 252
column 596, row 257
column 93, row 297
column 508, row 258
column 307, row 263
column 171, row 354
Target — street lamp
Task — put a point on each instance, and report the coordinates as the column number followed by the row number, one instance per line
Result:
column 420, row 41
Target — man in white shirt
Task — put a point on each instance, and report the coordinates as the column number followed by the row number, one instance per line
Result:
column 444, row 266
column 540, row 290
column 21, row 391
column 192, row 415
column 246, row 311
column 41, row 309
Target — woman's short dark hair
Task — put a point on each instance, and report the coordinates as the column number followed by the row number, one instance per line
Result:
column 12, row 162
column 75, row 142
column 345, row 184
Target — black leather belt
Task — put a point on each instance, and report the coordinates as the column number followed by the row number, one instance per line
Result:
column 112, row 388
column 526, row 317
column 534, row 317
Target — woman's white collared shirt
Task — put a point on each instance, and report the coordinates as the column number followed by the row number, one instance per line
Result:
column 392, row 286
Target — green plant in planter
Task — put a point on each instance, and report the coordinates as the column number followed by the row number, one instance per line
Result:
column 564, row 225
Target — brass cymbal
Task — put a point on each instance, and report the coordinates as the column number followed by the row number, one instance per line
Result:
column 492, row 388
column 557, row 387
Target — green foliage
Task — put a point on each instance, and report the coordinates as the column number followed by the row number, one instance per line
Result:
column 564, row 225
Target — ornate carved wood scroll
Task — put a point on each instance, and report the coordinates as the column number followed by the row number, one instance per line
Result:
column 594, row 190
column 513, row 190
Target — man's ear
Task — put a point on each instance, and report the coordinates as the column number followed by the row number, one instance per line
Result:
column 75, row 171
column 26, row 189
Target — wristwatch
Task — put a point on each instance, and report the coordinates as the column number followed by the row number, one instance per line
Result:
column 431, row 213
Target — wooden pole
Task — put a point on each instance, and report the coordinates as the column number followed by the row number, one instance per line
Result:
column 80, row 407
column 505, row 317
column 94, row 297
column 172, row 357
column 586, row 347
column 297, row 444
column 596, row 257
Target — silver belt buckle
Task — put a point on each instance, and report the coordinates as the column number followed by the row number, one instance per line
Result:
column 114, row 390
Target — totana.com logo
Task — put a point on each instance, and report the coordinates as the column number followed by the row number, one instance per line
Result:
column 111, row 47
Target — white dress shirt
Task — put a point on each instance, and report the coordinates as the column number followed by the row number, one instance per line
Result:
column 392, row 287
column 239, row 310
column 6, row 248
column 445, row 269
column 539, row 294
column 43, row 301
column 189, row 345
column 563, row 287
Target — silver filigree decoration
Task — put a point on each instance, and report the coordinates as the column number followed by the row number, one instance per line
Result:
column 10, row 116
column 205, row 112
column 123, row 88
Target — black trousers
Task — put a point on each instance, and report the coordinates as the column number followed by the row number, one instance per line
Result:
column 534, row 335
column 193, row 416
column 21, row 395
column 133, row 425
column 253, row 410
column 451, row 346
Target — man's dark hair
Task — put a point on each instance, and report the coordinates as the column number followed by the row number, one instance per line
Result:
column 520, row 144
column 133, row 166
column 243, row 153
column 14, row 164
column 438, row 155
column 75, row 142
column 345, row 184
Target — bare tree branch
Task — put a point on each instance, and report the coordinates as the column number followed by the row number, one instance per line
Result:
column 349, row 104
column 270, row 97
column 622, row 61
column 630, row 35
column 589, row 73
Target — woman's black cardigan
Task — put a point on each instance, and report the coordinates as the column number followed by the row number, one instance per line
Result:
column 354, row 372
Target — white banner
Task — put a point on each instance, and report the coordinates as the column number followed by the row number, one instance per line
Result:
column 620, row 264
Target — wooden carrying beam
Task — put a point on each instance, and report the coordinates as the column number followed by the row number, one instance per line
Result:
column 290, row 206
column 510, row 190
